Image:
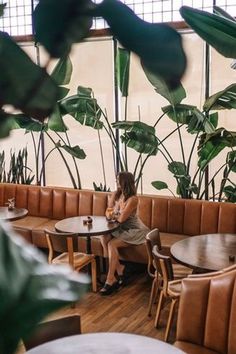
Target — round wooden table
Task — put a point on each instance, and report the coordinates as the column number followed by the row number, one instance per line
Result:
column 11, row 215
column 99, row 226
column 209, row 252
column 105, row 343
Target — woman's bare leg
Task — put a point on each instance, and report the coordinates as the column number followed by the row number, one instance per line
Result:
column 113, row 256
column 104, row 242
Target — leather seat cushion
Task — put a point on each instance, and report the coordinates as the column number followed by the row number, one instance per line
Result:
column 191, row 348
column 38, row 236
column 25, row 226
column 168, row 239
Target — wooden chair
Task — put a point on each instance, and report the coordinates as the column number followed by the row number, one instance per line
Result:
column 207, row 313
column 153, row 239
column 170, row 288
column 66, row 244
column 50, row 330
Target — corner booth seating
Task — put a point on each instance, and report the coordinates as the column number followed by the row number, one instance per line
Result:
column 175, row 218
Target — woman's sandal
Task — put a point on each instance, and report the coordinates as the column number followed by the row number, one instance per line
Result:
column 122, row 280
column 109, row 289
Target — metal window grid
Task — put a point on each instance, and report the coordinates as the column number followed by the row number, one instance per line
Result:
column 17, row 19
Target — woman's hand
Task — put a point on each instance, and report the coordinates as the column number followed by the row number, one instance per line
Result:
column 110, row 213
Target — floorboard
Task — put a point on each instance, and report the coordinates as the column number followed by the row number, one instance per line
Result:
column 123, row 311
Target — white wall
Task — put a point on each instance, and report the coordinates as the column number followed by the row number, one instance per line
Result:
column 93, row 67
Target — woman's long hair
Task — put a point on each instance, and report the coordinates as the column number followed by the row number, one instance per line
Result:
column 126, row 185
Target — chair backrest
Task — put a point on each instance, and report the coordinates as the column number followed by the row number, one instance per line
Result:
column 207, row 312
column 61, row 242
column 51, row 330
column 152, row 239
column 163, row 264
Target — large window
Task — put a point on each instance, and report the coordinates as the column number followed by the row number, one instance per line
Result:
column 17, row 19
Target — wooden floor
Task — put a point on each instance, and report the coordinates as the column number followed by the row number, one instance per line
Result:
column 124, row 311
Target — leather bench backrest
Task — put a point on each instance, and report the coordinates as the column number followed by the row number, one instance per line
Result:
column 207, row 313
column 171, row 215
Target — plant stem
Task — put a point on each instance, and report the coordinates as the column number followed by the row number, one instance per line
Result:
column 158, row 120
column 67, row 142
column 65, row 162
column 36, row 159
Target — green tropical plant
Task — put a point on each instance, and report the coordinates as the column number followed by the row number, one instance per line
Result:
column 18, row 171
column 30, row 288
column 57, row 28
column 217, row 29
column 137, row 135
column 100, row 187
column 54, row 128
column 208, row 142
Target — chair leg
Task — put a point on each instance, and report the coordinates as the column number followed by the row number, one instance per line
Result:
column 152, row 296
column 159, row 307
column 94, row 275
column 170, row 318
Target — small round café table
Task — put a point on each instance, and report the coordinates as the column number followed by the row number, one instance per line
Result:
column 105, row 343
column 11, row 215
column 206, row 253
column 99, row 226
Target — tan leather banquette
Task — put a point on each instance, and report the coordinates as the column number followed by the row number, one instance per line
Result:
column 175, row 218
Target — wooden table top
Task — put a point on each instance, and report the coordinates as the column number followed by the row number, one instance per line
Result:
column 209, row 252
column 105, row 343
column 11, row 215
column 99, row 226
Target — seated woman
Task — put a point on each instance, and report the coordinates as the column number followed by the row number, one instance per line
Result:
column 131, row 231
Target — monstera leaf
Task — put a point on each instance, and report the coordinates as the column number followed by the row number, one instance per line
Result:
column 216, row 30
column 138, row 136
column 30, row 288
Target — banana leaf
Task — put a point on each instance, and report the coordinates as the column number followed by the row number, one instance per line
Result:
column 231, row 160
column 220, row 12
column 218, row 31
column 230, row 193
column 23, row 122
column 55, row 121
column 158, row 45
column 212, row 144
column 24, row 84
column 122, row 70
column 83, row 107
column 177, row 168
column 62, row 71
column 174, row 97
column 225, row 99
column 75, row 151
column 7, row 123
column 59, row 24
column 159, row 185
column 138, row 136
column 30, row 288
column 192, row 117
